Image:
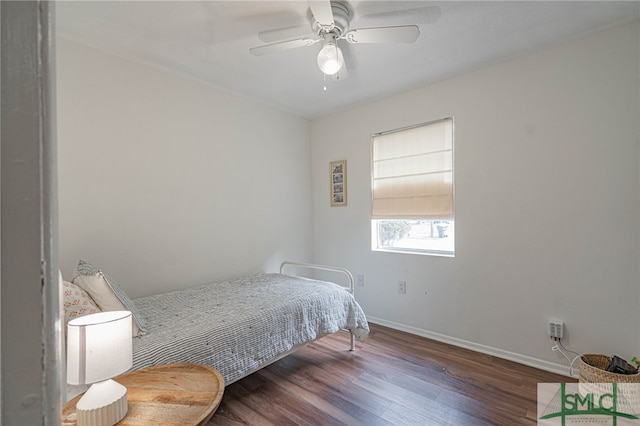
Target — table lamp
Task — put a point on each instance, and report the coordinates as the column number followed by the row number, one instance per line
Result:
column 99, row 347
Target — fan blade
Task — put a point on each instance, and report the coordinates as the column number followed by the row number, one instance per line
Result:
column 268, row 49
column 417, row 15
column 270, row 36
column 322, row 13
column 402, row 34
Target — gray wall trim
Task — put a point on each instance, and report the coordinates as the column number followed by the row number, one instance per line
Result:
column 29, row 291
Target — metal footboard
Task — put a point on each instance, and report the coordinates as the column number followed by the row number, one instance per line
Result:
column 350, row 288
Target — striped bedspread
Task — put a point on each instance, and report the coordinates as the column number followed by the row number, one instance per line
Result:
column 241, row 325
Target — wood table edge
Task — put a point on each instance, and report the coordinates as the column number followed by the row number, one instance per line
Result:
column 69, row 406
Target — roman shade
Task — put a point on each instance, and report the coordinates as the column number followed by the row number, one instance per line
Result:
column 413, row 172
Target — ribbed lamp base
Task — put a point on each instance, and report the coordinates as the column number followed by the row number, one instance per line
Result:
column 104, row 404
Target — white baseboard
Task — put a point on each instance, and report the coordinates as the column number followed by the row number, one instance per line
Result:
column 500, row 353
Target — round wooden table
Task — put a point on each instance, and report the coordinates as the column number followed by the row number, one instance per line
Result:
column 172, row 394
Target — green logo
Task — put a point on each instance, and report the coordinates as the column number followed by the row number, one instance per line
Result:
column 591, row 404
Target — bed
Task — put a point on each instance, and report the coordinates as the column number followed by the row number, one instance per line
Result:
column 239, row 326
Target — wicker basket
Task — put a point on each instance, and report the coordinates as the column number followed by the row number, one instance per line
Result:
column 596, row 380
column 593, row 369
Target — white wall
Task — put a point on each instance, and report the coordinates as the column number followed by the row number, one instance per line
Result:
column 547, row 204
column 167, row 183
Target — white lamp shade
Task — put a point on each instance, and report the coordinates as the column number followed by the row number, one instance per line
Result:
column 99, row 346
column 330, row 58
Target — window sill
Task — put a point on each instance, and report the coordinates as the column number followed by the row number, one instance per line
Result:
column 415, row 251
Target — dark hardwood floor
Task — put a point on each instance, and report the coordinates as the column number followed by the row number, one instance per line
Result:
column 393, row 378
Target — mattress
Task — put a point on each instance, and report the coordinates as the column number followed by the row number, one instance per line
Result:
column 241, row 325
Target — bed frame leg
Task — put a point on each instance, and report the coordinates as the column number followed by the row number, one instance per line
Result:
column 353, row 342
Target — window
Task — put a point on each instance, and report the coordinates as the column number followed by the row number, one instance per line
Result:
column 412, row 189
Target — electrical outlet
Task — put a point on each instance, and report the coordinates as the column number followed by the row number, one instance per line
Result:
column 360, row 280
column 556, row 329
column 402, row 287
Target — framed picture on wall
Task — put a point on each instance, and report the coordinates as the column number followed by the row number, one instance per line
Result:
column 338, row 183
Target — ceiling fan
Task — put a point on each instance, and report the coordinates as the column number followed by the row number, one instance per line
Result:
column 330, row 21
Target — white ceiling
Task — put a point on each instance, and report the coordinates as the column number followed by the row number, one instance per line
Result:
column 210, row 41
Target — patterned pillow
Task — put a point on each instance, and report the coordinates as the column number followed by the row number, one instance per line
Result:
column 77, row 302
column 107, row 294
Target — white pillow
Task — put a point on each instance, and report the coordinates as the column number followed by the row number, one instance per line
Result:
column 107, row 294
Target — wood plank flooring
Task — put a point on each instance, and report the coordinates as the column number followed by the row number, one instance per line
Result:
column 393, row 378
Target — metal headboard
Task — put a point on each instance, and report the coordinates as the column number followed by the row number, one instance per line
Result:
column 351, row 287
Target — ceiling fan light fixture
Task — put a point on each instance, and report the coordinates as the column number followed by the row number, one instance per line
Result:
column 330, row 58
